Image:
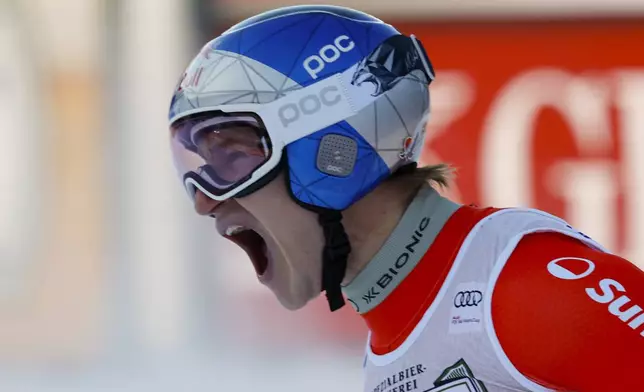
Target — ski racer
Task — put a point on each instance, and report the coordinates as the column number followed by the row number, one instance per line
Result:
column 299, row 130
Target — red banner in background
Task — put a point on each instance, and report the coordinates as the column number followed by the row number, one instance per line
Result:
column 546, row 115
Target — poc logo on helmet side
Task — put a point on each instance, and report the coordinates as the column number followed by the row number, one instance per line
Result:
column 328, row 54
column 308, row 105
column 335, row 169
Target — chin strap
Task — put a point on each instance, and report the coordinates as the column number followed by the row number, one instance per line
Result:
column 334, row 257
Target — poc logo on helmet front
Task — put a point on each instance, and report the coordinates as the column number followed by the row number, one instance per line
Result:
column 328, row 54
column 308, row 105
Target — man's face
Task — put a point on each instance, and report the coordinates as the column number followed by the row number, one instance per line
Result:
column 283, row 240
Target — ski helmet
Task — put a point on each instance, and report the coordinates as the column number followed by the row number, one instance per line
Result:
column 335, row 97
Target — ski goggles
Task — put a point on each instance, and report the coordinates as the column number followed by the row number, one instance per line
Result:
column 217, row 152
column 224, row 150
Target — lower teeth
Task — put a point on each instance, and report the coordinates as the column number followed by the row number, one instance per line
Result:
column 234, row 230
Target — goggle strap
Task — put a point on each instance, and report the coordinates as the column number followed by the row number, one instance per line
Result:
column 423, row 58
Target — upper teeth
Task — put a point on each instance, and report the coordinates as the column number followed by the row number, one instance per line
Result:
column 232, row 230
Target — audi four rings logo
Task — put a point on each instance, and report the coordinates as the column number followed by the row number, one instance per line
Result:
column 468, row 298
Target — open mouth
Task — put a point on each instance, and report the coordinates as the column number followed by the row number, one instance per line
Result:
column 253, row 244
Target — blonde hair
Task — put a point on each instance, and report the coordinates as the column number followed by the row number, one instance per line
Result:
column 440, row 174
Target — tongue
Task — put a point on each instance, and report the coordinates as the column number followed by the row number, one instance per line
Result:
column 255, row 246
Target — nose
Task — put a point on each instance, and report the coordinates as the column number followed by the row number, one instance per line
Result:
column 205, row 205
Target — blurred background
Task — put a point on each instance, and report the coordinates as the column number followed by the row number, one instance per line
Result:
column 109, row 282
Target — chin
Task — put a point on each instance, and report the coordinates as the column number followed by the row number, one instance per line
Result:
column 292, row 306
column 294, row 301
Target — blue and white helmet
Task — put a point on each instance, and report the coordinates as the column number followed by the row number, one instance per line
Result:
column 335, row 96
column 343, row 97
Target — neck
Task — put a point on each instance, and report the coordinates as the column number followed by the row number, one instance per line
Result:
column 404, row 246
column 370, row 222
